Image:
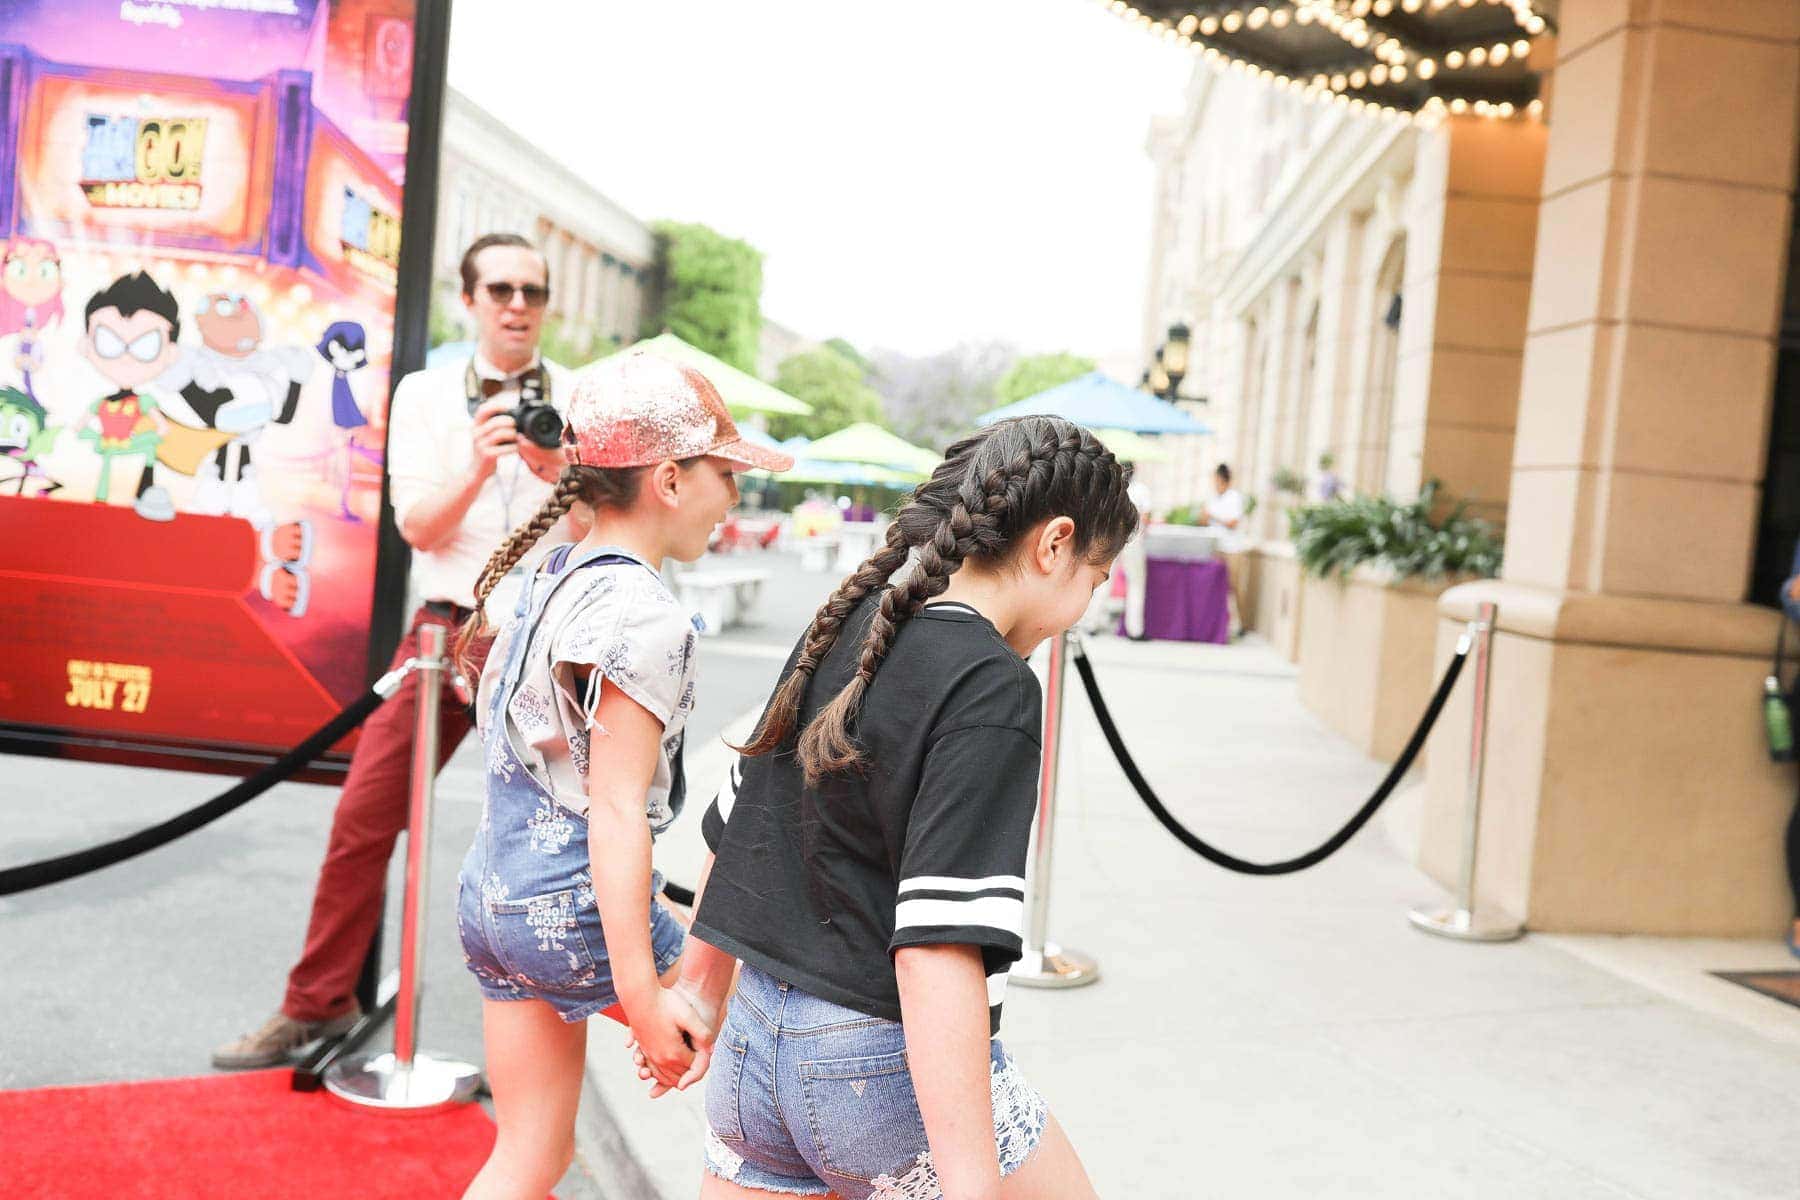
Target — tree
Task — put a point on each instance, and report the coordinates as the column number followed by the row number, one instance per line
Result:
column 850, row 352
column 711, row 292
column 833, row 385
column 933, row 400
column 1038, row 373
column 573, row 344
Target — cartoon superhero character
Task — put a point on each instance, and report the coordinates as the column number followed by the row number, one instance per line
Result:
column 344, row 345
column 130, row 339
column 238, row 388
column 30, row 301
column 26, row 436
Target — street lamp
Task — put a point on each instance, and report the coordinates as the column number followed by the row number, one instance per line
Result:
column 1174, row 357
column 1157, row 378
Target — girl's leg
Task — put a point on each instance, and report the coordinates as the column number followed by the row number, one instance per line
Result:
column 534, row 1065
column 1053, row 1172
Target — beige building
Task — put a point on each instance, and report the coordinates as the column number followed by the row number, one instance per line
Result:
column 1574, row 321
column 602, row 258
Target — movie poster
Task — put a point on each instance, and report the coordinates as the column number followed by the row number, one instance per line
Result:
column 199, row 234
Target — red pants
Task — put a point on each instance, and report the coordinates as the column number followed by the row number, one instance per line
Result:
column 371, row 812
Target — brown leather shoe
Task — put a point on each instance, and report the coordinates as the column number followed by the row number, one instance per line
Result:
column 274, row 1044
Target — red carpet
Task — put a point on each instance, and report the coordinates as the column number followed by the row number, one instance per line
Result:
column 235, row 1136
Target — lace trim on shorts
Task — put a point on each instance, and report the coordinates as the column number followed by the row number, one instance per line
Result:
column 1019, row 1115
column 725, row 1161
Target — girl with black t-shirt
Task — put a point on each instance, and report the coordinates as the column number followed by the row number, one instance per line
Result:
column 869, row 850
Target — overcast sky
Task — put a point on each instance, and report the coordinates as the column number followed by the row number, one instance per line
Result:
column 916, row 174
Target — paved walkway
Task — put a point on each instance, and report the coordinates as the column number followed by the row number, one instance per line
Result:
column 1294, row 1036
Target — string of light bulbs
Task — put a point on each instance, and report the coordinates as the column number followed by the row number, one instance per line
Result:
column 1397, row 61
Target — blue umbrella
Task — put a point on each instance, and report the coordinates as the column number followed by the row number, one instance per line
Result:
column 1100, row 402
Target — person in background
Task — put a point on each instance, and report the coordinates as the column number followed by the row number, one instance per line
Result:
column 1225, row 507
column 461, row 479
column 1790, row 605
column 1226, row 510
column 1331, row 484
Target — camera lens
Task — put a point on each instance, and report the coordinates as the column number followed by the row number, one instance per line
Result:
column 541, row 424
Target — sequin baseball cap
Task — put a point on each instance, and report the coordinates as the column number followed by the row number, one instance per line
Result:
column 635, row 409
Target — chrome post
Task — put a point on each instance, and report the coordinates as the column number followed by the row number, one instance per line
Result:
column 1462, row 922
column 1044, row 963
column 406, row 1081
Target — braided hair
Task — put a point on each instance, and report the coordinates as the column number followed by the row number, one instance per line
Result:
column 597, row 487
column 990, row 489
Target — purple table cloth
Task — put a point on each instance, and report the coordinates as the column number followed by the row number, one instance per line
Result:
column 1187, row 601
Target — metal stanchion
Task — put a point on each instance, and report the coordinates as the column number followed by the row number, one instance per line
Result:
column 406, row 1081
column 1044, row 963
column 1462, row 922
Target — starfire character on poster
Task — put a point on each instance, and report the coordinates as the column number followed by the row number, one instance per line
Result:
column 30, row 301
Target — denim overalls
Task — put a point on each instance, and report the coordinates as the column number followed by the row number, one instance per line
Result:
column 526, row 912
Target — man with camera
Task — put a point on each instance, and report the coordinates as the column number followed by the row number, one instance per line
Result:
column 473, row 450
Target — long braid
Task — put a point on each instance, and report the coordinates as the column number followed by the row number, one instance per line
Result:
column 974, row 526
column 784, row 706
column 568, row 490
column 991, row 487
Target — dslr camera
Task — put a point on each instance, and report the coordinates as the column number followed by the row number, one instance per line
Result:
column 538, row 422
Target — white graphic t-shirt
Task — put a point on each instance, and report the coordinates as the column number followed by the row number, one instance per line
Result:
column 621, row 621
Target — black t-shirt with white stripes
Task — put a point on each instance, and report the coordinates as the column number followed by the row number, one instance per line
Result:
column 927, row 845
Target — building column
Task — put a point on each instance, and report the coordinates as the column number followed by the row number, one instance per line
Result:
column 1627, row 788
column 1471, row 218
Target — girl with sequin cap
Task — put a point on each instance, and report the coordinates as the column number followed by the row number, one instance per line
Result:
column 869, row 848
column 581, row 709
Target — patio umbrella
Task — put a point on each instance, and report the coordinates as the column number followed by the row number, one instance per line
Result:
column 871, row 444
column 810, row 470
column 1100, row 402
column 1132, row 447
column 742, row 392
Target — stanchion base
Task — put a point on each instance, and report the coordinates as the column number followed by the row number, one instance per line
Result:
column 1054, row 967
column 1465, row 926
column 378, row 1083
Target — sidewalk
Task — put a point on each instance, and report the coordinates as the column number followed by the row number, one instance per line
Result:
column 1294, row 1037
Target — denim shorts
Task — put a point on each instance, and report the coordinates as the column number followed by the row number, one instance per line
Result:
column 807, row 1097
column 550, row 946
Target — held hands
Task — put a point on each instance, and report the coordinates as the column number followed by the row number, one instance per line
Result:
column 671, row 1041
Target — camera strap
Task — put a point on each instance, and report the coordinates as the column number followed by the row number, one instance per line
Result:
column 534, row 388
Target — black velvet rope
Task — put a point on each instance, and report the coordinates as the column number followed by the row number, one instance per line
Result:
column 1229, row 861
column 81, row 862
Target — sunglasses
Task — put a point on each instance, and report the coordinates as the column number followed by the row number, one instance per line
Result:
column 536, row 295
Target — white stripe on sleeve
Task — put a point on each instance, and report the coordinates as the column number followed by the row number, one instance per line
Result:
column 996, row 912
column 949, row 883
column 728, row 791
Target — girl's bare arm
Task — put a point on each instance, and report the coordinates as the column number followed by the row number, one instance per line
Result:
column 944, row 1008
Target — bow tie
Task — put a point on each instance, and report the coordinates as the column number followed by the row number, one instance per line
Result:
column 493, row 387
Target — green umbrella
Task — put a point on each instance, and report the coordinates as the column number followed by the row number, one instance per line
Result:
column 866, row 443
column 1132, row 447
column 742, row 392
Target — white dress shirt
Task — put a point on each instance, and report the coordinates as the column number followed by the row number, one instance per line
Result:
column 430, row 446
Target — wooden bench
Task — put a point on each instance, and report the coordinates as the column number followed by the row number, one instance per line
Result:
column 723, row 596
